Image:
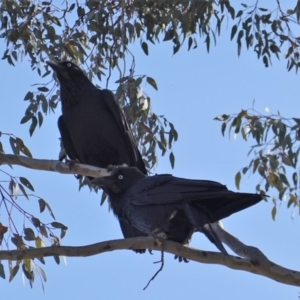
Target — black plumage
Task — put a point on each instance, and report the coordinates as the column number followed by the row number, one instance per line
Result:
column 171, row 206
column 93, row 126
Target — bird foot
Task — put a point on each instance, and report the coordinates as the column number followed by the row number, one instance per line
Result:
column 181, row 259
column 159, row 236
column 71, row 163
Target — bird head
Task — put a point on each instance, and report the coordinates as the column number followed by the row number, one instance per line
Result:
column 121, row 179
column 66, row 70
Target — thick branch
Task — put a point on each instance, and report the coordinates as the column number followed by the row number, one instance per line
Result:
column 239, row 248
column 52, row 165
column 270, row 270
column 253, row 260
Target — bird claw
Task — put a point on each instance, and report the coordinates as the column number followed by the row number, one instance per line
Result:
column 71, row 163
column 181, row 258
column 159, row 236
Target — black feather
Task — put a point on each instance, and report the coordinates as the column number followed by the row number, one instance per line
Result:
column 93, row 126
column 170, row 205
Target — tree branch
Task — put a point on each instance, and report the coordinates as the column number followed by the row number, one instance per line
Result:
column 52, row 165
column 270, row 269
column 253, row 260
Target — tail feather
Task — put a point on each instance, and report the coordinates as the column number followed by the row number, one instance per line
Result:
column 212, row 236
column 219, row 208
column 200, row 219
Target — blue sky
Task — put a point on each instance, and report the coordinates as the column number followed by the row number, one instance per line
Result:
column 194, row 87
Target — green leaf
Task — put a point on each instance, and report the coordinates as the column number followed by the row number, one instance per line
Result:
column 40, row 118
column 28, row 96
column 14, row 145
column 145, row 48
column 266, row 61
column 274, row 211
column 238, row 177
column 43, row 89
column 46, row 73
column 26, row 118
column 13, row 272
column 245, row 169
column 223, row 128
column 240, row 35
column 43, row 231
column 295, row 179
column 21, row 146
column 172, row 160
column 29, row 234
column 138, row 81
column 284, row 179
column 59, row 225
column 152, row 82
column 2, row 273
column 63, row 233
column 36, row 222
column 72, row 7
column 50, row 211
column 233, row 31
column 26, row 182
column 239, row 14
column 27, row 270
column 23, row 191
column 122, row 79
column 15, row 55
column 33, row 125
column 190, row 43
column 207, row 41
column 42, row 205
column 57, row 259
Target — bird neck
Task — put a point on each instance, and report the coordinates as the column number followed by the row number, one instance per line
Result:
column 115, row 203
column 74, row 92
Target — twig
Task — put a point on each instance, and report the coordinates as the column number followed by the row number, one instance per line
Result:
column 162, row 261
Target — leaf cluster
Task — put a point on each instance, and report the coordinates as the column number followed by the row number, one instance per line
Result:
column 275, row 152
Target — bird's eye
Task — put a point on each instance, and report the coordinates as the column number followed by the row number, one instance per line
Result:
column 120, row 177
column 69, row 65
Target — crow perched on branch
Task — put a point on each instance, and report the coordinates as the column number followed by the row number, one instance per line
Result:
column 93, row 127
column 172, row 207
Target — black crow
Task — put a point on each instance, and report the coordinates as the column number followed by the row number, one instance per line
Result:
column 93, row 127
column 172, row 207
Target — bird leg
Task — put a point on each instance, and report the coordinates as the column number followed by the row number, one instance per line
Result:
column 181, row 258
column 159, row 236
column 71, row 163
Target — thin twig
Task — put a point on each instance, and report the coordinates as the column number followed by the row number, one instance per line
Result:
column 162, row 261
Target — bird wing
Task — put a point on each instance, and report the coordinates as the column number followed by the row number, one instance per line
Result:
column 66, row 139
column 118, row 114
column 165, row 189
column 209, row 196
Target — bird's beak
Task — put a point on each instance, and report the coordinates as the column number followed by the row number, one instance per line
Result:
column 60, row 71
column 55, row 66
column 106, row 182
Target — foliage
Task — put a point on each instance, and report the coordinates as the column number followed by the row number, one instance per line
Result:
column 26, row 237
column 276, row 148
